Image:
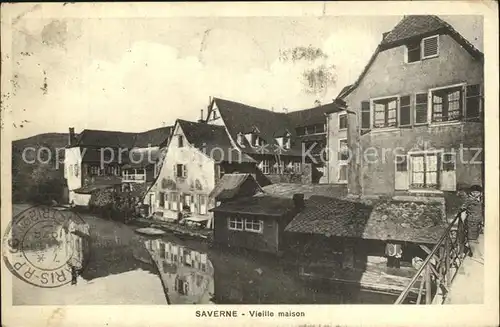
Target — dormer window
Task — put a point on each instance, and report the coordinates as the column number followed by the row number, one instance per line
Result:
column 253, row 139
column 284, row 142
column 240, row 139
column 422, row 49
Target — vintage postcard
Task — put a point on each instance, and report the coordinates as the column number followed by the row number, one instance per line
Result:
column 277, row 164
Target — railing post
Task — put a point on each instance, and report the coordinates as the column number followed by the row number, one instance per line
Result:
column 447, row 262
column 428, row 286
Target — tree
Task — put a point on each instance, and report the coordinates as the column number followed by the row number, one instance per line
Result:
column 319, row 75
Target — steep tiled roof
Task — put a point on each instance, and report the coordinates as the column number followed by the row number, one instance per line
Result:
column 154, row 137
column 108, row 154
column 311, row 116
column 141, row 157
column 412, row 27
column 212, row 140
column 394, row 221
column 242, row 118
column 261, row 205
column 230, row 184
column 101, row 138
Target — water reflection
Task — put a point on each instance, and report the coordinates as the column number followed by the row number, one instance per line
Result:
column 187, row 275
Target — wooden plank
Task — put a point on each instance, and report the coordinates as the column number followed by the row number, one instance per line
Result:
column 420, row 289
column 428, row 285
column 447, row 258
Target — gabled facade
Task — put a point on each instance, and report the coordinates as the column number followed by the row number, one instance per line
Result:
column 287, row 146
column 97, row 159
column 197, row 156
column 414, row 116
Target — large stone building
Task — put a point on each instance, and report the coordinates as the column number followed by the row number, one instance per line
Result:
column 415, row 114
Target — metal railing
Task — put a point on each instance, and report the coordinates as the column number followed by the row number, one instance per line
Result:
column 435, row 275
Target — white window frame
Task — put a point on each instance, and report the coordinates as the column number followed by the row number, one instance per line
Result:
column 287, row 142
column 429, row 104
column 239, row 139
column 422, row 47
column 266, row 167
column 202, row 205
column 339, row 148
column 439, row 154
column 254, row 222
column 174, row 205
column 235, row 221
column 372, row 113
column 414, row 109
column 297, row 167
column 343, row 114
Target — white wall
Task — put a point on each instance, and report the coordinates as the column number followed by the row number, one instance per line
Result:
column 334, row 134
column 200, row 177
column 72, row 159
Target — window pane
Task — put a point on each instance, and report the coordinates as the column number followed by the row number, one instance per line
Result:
column 401, row 164
column 343, row 121
column 414, row 52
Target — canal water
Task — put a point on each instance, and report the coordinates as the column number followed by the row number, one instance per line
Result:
column 128, row 268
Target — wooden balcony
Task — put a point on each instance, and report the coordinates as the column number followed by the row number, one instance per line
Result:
column 134, row 178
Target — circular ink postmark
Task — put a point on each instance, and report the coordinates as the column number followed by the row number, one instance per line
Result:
column 46, row 246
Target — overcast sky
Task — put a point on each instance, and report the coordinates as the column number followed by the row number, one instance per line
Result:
column 134, row 74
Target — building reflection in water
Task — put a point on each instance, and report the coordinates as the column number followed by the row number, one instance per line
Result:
column 187, row 275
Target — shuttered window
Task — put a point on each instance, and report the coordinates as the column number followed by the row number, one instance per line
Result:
column 421, row 108
column 473, row 102
column 365, row 117
column 448, row 161
column 342, row 121
column 430, row 46
column 162, row 199
column 447, row 104
column 424, row 170
column 405, row 111
column 385, row 112
column 401, row 163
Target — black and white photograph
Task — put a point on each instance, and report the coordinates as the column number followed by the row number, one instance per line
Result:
column 248, row 165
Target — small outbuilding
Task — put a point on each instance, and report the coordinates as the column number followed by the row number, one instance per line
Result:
column 256, row 222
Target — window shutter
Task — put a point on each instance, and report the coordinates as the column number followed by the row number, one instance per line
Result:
column 448, row 172
column 421, row 108
column 430, row 46
column 365, row 117
column 192, row 206
column 401, row 176
column 184, row 170
column 175, row 170
column 405, row 111
column 473, row 101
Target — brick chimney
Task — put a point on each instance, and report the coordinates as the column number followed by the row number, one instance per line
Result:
column 298, row 201
column 71, row 136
